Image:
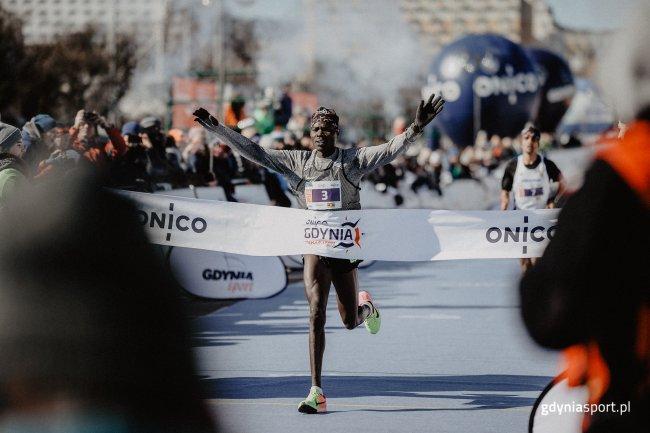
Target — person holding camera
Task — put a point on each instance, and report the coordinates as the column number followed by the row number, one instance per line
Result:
column 94, row 148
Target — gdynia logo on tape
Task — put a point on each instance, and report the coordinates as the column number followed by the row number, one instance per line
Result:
column 520, row 234
column 171, row 222
column 323, row 232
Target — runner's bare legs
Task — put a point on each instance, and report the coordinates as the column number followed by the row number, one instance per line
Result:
column 317, row 279
column 346, row 285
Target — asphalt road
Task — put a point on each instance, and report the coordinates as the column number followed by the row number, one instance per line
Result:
column 452, row 356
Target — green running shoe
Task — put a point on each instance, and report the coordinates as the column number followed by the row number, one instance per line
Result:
column 314, row 403
column 373, row 321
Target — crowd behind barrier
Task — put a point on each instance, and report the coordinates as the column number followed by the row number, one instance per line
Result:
column 141, row 155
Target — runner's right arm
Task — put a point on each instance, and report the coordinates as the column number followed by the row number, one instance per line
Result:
column 280, row 161
column 506, row 183
column 505, row 199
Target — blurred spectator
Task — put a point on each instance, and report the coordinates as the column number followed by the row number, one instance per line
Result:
column 508, row 151
column 180, row 140
column 92, row 336
column 235, row 112
column 95, row 149
column 570, row 140
column 197, row 158
column 263, row 116
column 427, row 169
column 164, row 166
column 223, row 168
column 61, row 137
column 433, row 136
column 131, row 170
column 37, row 139
column 299, row 124
column 589, row 294
column 13, row 170
column 284, row 110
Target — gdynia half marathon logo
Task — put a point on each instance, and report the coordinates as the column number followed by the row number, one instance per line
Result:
column 521, row 234
column 323, row 232
column 234, row 275
column 170, row 221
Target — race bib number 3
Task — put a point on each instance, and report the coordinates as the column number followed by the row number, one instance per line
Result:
column 323, row 194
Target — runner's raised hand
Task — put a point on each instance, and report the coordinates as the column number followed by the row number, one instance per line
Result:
column 203, row 116
column 428, row 111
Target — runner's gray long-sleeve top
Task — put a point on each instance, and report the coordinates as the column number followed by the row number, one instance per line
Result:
column 292, row 163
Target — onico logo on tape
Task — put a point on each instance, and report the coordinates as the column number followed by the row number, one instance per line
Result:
column 520, row 234
column 171, row 222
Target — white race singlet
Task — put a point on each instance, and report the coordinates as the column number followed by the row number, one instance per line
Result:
column 532, row 186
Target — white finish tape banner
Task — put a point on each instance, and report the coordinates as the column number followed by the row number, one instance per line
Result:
column 374, row 234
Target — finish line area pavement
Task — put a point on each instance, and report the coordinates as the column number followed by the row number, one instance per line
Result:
column 452, row 356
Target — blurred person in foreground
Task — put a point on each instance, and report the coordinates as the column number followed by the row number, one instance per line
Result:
column 327, row 179
column 92, row 336
column 531, row 177
column 589, row 294
column 13, row 170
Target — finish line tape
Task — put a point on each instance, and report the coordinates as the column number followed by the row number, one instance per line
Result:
column 373, row 234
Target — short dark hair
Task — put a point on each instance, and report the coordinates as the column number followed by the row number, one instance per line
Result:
column 533, row 130
column 326, row 115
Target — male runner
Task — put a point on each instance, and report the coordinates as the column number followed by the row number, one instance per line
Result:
column 336, row 174
column 530, row 175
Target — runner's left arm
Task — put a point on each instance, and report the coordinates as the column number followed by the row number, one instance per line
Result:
column 280, row 161
column 372, row 157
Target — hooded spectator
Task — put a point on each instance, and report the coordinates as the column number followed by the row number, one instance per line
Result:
column 37, row 139
column 13, row 170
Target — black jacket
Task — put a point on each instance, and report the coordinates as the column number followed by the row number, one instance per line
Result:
column 593, row 278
